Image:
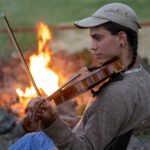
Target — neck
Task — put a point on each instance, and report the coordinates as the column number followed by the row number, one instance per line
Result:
column 126, row 57
column 137, row 63
column 126, row 61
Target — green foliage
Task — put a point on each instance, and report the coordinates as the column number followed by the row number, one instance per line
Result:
column 27, row 13
column 25, row 41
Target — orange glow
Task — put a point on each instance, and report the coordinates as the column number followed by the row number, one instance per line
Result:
column 44, row 36
column 45, row 78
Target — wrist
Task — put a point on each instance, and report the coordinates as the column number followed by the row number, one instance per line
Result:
column 46, row 124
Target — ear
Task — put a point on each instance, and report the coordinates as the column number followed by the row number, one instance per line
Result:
column 122, row 39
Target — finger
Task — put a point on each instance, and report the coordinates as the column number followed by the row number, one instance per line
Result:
column 29, row 125
column 39, row 111
column 34, row 102
column 29, row 114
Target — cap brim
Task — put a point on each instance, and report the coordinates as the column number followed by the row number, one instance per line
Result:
column 90, row 22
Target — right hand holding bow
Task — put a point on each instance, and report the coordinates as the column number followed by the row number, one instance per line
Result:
column 40, row 114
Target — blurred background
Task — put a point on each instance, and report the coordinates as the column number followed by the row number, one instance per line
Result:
column 53, row 46
column 24, row 16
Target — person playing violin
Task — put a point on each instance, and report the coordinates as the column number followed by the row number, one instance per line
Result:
column 117, row 108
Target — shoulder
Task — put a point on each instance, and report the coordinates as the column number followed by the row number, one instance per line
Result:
column 117, row 90
column 129, row 86
column 124, row 93
column 116, row 95
column 111, row 106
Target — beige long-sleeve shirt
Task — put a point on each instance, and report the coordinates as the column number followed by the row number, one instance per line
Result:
column 119, row 107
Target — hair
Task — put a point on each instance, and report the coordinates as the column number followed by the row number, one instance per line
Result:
column 132, row 38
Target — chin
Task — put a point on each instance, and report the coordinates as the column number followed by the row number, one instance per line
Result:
column 100, row 62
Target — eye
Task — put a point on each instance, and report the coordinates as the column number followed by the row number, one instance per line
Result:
column 97, row 37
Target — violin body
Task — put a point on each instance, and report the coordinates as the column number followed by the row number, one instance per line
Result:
column 85, row 81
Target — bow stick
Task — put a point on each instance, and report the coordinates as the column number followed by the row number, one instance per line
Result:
column 12, row 36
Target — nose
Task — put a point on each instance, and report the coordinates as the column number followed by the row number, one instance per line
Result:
column 93, row 46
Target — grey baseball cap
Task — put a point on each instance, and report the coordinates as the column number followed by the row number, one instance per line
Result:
column 115, row 12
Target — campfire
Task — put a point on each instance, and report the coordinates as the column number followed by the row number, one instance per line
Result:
column 47, row 69
column 45, row 78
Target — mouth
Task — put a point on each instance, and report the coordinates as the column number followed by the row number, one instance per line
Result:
column 98, row 56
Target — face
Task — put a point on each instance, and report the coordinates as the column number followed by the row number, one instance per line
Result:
column 104, row 45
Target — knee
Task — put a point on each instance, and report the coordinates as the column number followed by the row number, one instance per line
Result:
column 36, row 140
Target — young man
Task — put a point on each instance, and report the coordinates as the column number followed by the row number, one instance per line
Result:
column 120, row 105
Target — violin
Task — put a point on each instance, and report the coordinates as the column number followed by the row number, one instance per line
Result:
column 85, row 80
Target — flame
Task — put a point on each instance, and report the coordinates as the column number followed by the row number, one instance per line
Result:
column 44, row 36
column 45, row 78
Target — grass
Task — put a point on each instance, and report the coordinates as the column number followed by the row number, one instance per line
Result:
column 27, row 13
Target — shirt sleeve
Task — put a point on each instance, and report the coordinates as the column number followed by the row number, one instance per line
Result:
column 101, row 123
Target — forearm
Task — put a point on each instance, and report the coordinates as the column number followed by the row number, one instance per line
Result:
column 71, row 121
column 64, row 138
column 98, row 126
column 94, row 132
